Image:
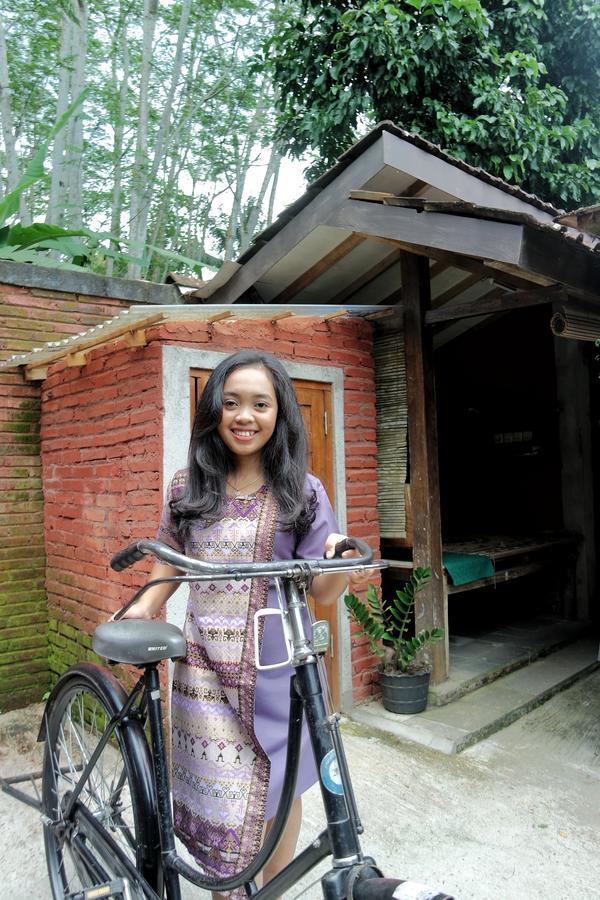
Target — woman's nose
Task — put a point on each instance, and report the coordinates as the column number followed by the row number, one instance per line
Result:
column 244, row 414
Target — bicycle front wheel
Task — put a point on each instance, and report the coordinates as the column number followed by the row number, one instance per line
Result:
column 110, row 832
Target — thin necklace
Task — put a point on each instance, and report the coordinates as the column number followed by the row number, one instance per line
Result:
column 243, row 487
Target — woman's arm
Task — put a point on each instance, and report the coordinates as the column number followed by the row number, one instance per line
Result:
column 327, row 588
column 152, row 601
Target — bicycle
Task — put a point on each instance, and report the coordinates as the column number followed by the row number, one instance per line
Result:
column 108, row 826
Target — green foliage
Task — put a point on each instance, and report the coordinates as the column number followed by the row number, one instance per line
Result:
column 214, row 141
column 35, row 169
column 391, row 621
column 509, row 85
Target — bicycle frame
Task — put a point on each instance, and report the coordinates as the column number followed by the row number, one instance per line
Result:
column 352, row 874
column 340, row 839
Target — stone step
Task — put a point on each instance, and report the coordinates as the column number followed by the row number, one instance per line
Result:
column 481, row 660
column 475, row 716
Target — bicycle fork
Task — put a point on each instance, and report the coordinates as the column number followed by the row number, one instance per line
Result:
column 343, row 823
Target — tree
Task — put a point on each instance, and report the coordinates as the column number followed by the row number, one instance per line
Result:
column 508, row 85
column 171, row 154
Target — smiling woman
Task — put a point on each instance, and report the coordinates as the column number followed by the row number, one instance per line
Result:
column 245, row 495
column 248, row 421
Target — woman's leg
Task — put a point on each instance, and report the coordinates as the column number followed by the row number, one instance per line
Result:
column 287, row 845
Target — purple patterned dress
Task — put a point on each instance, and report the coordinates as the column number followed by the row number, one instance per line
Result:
column 229, row 720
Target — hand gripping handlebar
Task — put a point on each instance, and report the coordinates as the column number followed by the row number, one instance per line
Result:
column 239, row 570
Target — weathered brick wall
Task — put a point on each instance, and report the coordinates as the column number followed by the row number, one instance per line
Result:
column 38, row 305
column 101, row 454
column 102, row 457
column 29, row 317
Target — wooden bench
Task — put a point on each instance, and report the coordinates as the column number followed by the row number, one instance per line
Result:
column 512, row 558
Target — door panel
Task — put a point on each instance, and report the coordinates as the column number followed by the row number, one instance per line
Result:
column 315, row 402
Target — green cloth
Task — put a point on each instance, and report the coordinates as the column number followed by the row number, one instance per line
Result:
column 465, row 567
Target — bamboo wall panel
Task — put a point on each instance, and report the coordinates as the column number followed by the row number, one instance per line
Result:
column 392, row 425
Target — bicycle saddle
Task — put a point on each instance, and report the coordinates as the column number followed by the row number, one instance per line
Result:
column 138, row 641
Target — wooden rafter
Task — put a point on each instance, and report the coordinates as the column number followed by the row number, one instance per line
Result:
column 494, row 302
column 416, row 188
column 438, row 267
column 509, row 270
column 525, row 249
column 367, row 277
column 318, row 269
column 456, row 289
column 481, row 239
column 130, row 331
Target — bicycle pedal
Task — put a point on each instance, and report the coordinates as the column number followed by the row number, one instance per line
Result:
column 112, row 890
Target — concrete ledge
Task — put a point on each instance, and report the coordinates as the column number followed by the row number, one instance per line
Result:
column 50, row 279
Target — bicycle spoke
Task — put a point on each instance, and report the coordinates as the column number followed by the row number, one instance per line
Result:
column 83, row 858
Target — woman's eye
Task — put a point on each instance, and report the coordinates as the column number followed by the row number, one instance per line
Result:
column 229, row 404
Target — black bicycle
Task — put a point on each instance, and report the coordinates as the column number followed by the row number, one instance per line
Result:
column 108, row 825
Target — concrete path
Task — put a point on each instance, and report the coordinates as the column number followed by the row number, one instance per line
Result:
column 515, row 817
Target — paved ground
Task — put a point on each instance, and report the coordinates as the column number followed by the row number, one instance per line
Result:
column 516, row 817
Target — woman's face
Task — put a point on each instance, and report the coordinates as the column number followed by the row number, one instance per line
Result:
column 249, row 411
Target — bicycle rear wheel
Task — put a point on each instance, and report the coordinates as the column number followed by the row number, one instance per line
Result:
column 111, row 832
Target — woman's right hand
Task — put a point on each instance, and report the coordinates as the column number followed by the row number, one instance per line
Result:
column 152, row 601
column 137, row 611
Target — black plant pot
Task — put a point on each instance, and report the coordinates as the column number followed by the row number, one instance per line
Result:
column 404, row 693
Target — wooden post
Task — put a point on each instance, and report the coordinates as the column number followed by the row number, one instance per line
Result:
column 577, row 465
column 431, row 608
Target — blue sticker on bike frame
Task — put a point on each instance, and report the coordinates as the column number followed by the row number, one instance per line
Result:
column 330, row 773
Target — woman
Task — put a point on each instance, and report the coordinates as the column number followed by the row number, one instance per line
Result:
column 245, row 495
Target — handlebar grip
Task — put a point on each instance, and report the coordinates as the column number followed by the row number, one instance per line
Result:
column 349, row 543
column 127, row 557
column 394, row 889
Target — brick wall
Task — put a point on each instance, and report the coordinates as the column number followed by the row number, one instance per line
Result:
column 30, row 317
column 102, row 461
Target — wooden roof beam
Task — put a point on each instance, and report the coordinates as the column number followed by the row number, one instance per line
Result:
column 428, row 232
column 319, row 268
column 494, row 302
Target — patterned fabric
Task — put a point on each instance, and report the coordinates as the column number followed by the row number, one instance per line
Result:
column 220, row 771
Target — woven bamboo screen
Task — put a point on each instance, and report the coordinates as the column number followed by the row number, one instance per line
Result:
column 392, row 425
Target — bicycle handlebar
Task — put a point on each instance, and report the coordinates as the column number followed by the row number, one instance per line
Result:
column 285, row 568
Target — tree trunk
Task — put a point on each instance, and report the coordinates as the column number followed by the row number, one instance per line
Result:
column 8, row 131
column 57, row 199
column 243, row 163
column 139, row 175
column 119, row 125
column 141, row 222
column 74, row 150
column 248, row 228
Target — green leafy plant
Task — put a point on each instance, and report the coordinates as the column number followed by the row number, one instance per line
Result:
column 391, row 622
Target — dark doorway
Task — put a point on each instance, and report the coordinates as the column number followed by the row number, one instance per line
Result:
column 498, row 429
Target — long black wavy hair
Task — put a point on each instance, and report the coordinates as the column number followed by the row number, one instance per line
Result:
column 284, row 456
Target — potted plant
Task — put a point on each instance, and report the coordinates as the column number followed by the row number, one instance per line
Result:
column 404, row 672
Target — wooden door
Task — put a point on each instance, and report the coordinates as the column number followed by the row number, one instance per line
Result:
column 315, row 402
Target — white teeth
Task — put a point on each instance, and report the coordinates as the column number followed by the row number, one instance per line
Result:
column 244, row 433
